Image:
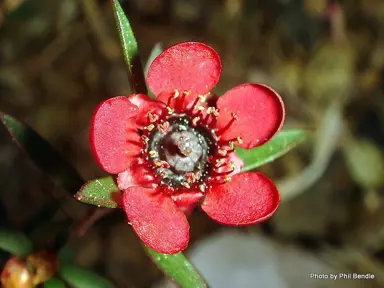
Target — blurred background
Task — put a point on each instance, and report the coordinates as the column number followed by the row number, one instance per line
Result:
column 60, row 58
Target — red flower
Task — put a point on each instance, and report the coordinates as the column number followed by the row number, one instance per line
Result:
column 177, row 151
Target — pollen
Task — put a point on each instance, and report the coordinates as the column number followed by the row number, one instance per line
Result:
column 153, row 154
column 152, row 117
column 185, row 184
column 145, row 139
column 220, row 162
column 170, row 110
column 163, row 127
column 195, row 120
column 149, row 127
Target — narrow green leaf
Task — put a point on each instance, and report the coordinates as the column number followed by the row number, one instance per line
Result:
column 54, row 282
column 278, row 146
column 101, row 192
column 130, row 49
column 15, row 242
column 46, row 157
column 82, row 278
column 178, row 268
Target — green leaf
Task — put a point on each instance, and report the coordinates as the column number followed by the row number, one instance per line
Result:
column 178, row 268
column 100, row 192
column 130, row 50
column 54, row 282
column 278, row 146
column 156, row 51
column 15, row 242
column 47, row 158
column 79, row 277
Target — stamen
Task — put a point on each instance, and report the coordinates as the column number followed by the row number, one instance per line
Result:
column 149, row 127
column 185, row 184
column 162, row 164
column 202, row 187
column 222, row 152
column 152, row 117
column 203, row 98
column 163, row 175
column 223, row 173
column 170, row 110
column 217, row 181
column 190, row 110
column 153, row 153
column 220, row 162
column 234, row 118
column 163, row 127
column 213, row 110
column 195, row 120
column 175, row 95
column 145, row 139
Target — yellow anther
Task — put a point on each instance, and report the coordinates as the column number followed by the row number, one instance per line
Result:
column 153, row 153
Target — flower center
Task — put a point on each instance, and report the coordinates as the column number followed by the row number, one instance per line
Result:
column 182, row 152
column 183, row 146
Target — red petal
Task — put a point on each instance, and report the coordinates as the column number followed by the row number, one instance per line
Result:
column 145, row 105
column 113, row 136
column 189, row 66
column 156, row 219
column 260, row 113
column 137, row 174
column 246, row 199
column 187, row 201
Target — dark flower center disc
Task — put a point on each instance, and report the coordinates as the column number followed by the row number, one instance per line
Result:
column 185, row 148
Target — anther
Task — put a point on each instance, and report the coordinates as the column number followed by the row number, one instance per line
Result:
column 185, row 184
column 149, row 127
column 176, row 94
column 170, row 110
column 222, row 152
column 228, row 178
column 161, row 163
column 213, row 111
column 234, row 116
column 195, row 120
column 153, row 153
column 203, row 98
column 220, row 162
column 190, row 177
column 239, row 140
column 152, row 117
column 145, row 139
column 202, row 187
column 163, row 127
column 163, row 175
